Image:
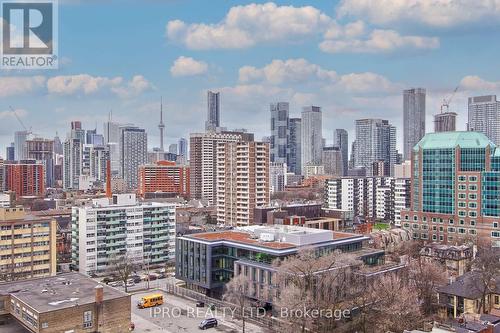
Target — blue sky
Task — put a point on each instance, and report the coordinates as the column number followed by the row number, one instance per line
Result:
column 352, row 58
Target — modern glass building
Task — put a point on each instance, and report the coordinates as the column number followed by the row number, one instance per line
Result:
column 206, row 261
column 455, row 188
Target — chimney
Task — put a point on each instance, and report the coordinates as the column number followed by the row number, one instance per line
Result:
column 99, row 294
column 109, row 194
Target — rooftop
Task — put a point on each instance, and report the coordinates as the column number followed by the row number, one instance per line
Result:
column 277, row 237
column 463, row 139
column 467, row 286
column 57, row 292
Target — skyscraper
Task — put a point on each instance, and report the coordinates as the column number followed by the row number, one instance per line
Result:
column 375, row 141
column 161, row 125
column 294, row 159
column 72, row 165
column 332, row 161
column 20, row 138
column 213, row 111
column 484, row 116
column 279, row 132
column 312, row 136
column 172, row 148
column 133, row 153
column 42, row 150
column 445, row 122
column 10, row 152
column 183, row 147
column 111, row 132
column 413, row 119
column 340, row 140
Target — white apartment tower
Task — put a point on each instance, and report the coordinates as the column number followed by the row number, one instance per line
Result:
column 111, row 228
column 312, row 136
column 484, row 116
column 133, row 153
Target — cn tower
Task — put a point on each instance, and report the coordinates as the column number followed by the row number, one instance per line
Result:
column 161, row 125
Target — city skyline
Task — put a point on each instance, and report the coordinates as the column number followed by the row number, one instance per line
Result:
column 299, row 66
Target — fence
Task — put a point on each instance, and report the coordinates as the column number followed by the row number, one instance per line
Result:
column 268, row 322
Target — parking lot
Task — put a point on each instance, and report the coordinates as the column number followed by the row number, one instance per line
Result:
column 181, row 315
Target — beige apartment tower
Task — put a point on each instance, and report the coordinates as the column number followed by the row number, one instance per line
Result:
column 242, row 181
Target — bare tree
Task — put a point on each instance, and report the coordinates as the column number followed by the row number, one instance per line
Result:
column 123, row 265
column 309, row 282
column 238, row 292
column 486, row 266
column 425, row 277
column 395, row 308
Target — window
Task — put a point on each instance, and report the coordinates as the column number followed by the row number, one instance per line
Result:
column 472, row 231
column 472, row 187
column 472, row 178
column 472, row 196
column 461, row 222
column 461, row 195
column 495, row 224
column 415, row 218
column 87, row 319
column 472, row 214
column 415, row 226
column 472, row 205
column 497, row 300
column 451, row 229
column 472, row 222
column 461, row 213
column 461, row 178
column 450, row 221
column 495, row 234
column 462, row 187
column 434, row 237
column 461, row 204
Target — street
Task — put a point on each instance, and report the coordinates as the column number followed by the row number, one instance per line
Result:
column 181, row 315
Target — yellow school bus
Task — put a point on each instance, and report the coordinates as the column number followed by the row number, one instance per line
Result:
column 150, row 301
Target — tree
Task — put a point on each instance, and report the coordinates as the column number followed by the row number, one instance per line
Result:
column 425, row 277
column 123, row 265
column 309, row 281
column 395, row 307
column 486, row 265
column 238, row 292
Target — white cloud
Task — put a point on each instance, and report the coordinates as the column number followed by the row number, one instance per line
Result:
column 286, row 71
column 366, row 83
column 21, row 113
column 245, row 26
column 379, row 41
column 87, row 85
column 475, row 83
column 17, row 85
column 186, row 66
column 436, row 13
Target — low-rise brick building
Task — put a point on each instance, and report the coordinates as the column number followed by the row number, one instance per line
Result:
column 68, row 302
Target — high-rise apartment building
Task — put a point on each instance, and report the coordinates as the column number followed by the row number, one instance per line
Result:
column 111, row 132
column 402, row 197
column 294, row 142
column 280, row 133
column 2, row 176
column 413, row 119
column 455, row 188
column 242, row 181
column 213, row 111
column 484, row 116
column 20, row 138
column 110, row 228
column 340, row 139
column 277, row 177
column 27, row 245
column 183, row 147
column 77, row 132
column 172, row 148
column 445, row 122
column 164, row 177
column 312, row 136
column 72, row 165
column 25, row 178
column 369, row 197
column 42, row 150
column 203, row 162
column 10, row 152
column 332, row 161
column 375, row 141
column 133, row 153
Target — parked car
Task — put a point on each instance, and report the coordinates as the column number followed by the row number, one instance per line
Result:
column 208, row 323
column 162, row 276
column 200, row 304
column 153, row 277
column 116, row 284
column 130, row 283
column 136, row 278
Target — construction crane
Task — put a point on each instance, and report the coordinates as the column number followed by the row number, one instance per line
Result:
column 447, row 101
column 28, row 131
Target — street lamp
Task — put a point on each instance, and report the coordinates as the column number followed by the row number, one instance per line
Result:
column 148, row 241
